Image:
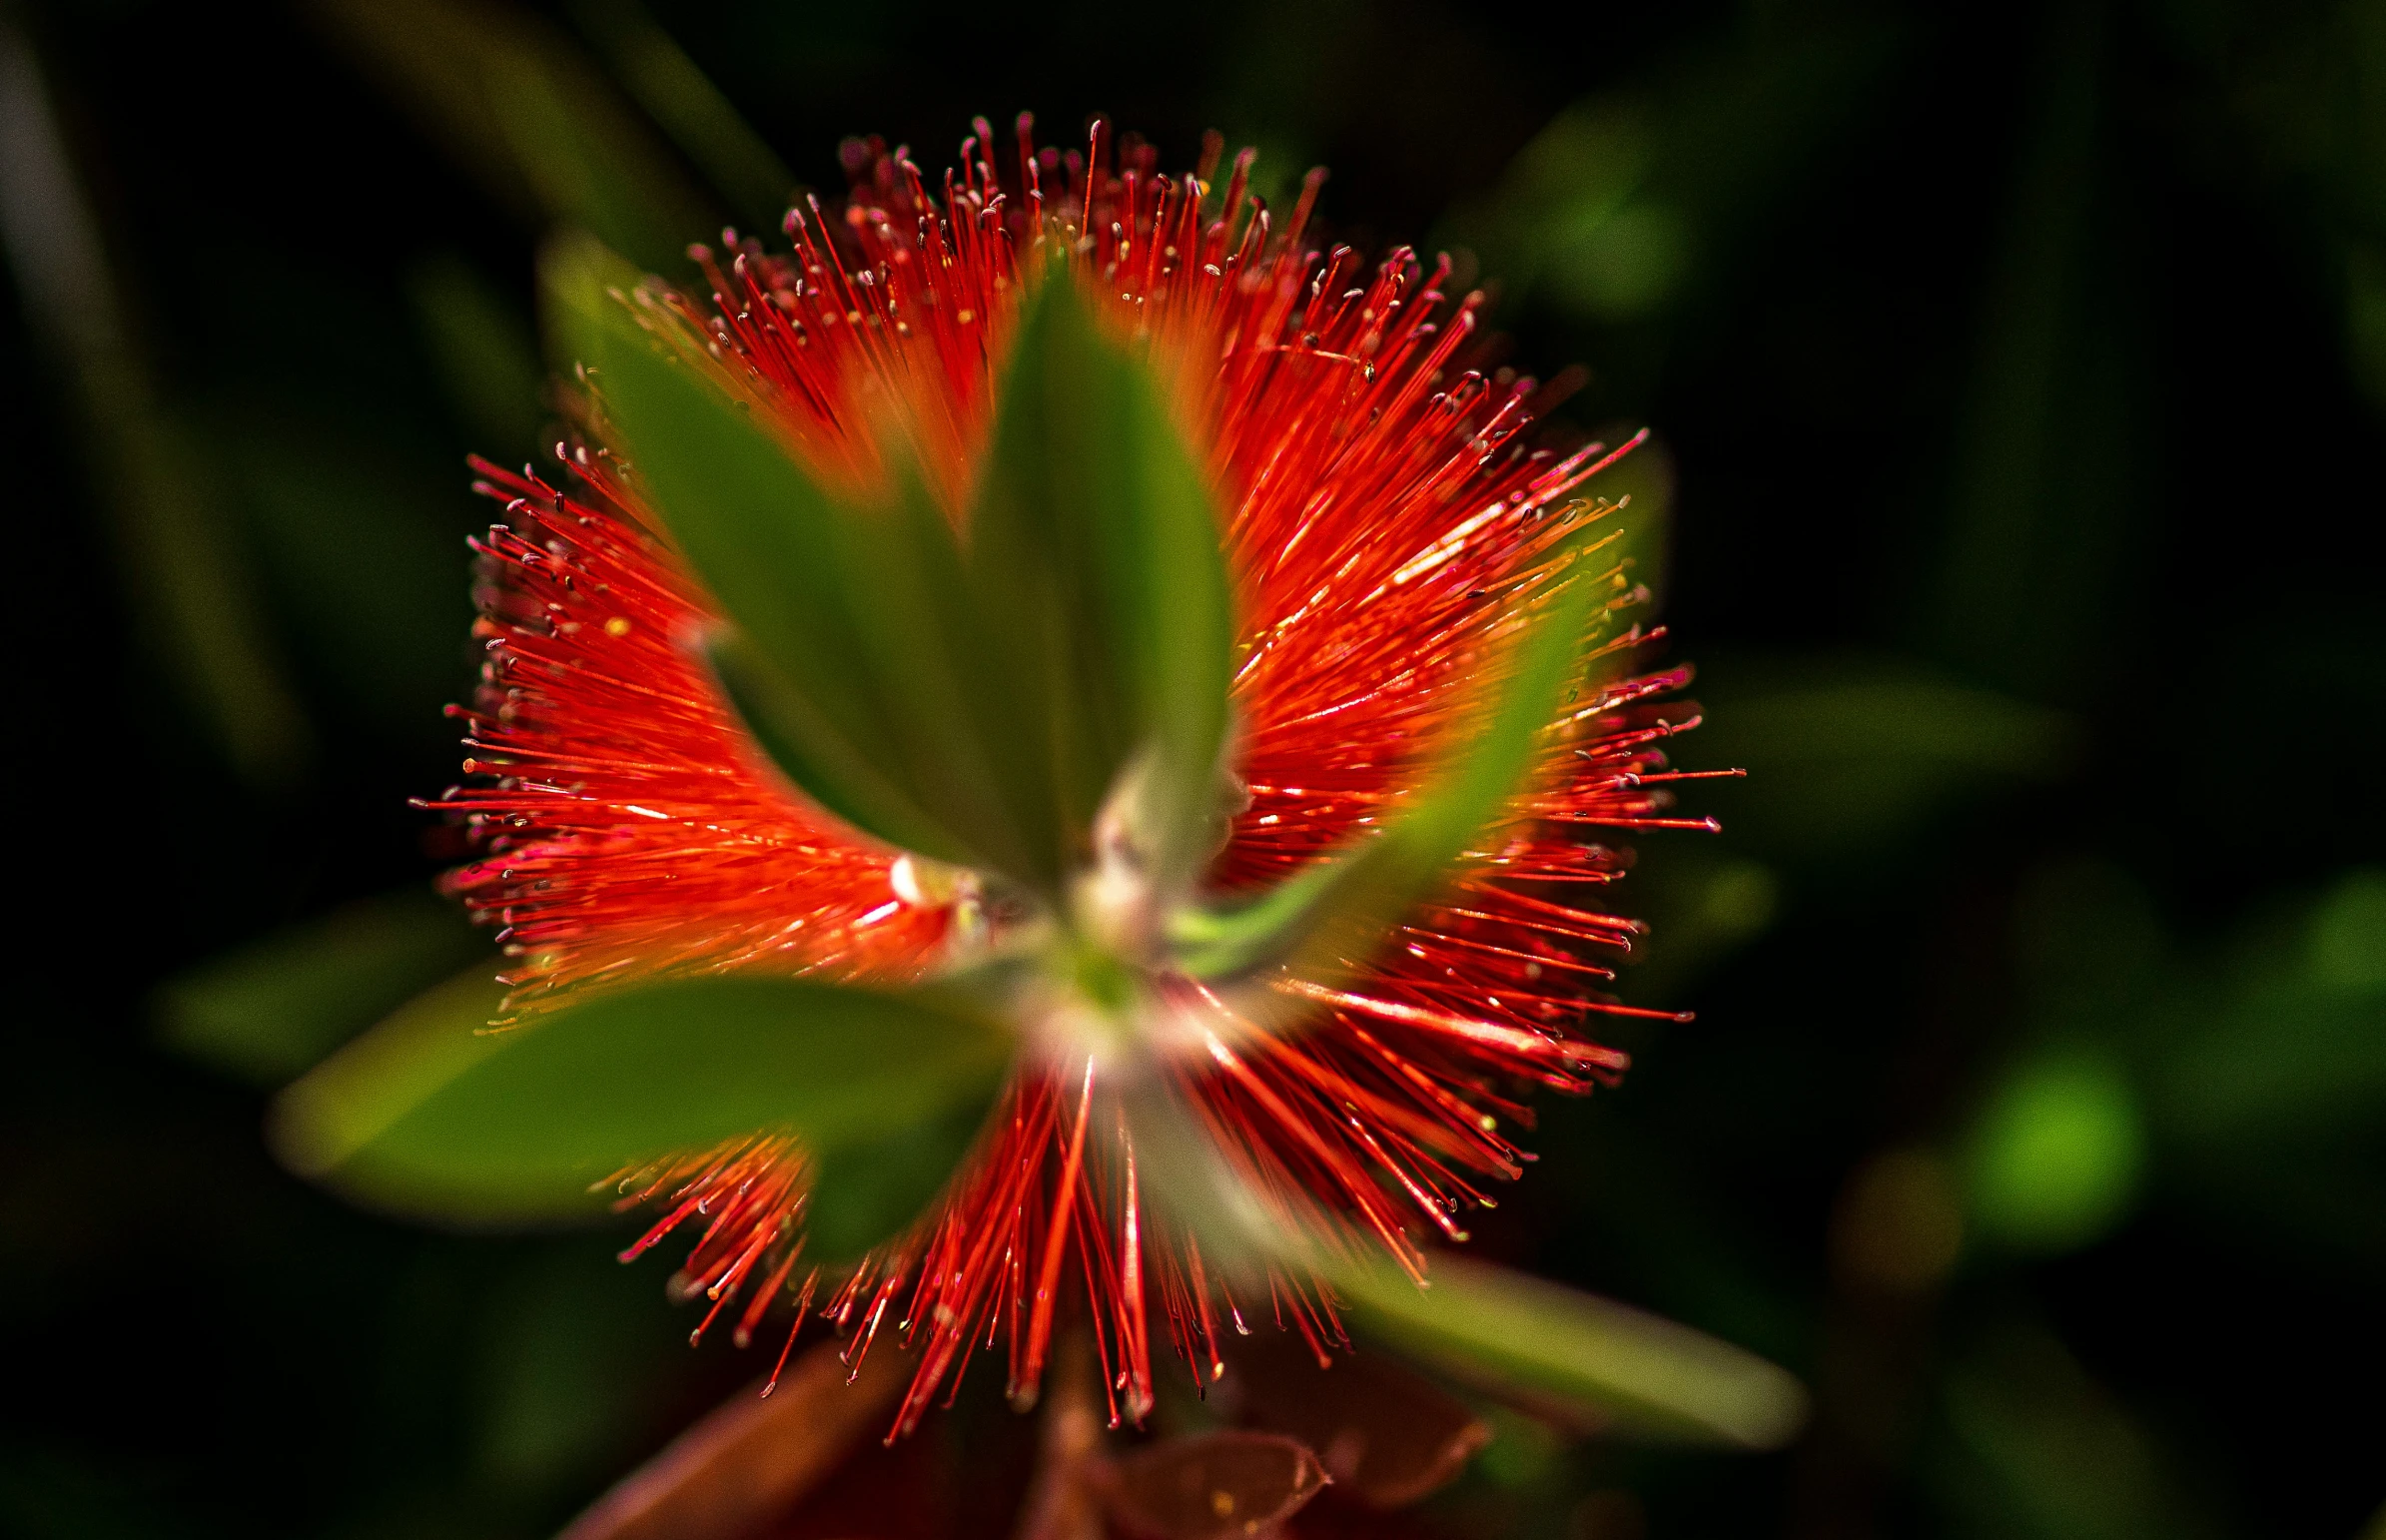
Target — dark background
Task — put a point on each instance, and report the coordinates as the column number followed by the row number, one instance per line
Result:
column 2022, row 369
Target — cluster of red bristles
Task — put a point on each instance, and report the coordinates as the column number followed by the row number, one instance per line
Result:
column 1387, row 509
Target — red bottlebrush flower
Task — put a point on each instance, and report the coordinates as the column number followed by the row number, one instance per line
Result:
column 1388, row 517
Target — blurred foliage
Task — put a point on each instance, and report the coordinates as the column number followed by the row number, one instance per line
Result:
column 2019, row 372
column 150, row 481
column 279, row 1006
column 431, row 1115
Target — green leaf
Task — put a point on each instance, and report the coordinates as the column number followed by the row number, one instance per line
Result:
column 1098, row 555
column 2347, row 950
column 268, row 1011
column 1638, row 1373
column 429, row 1116
column 1336, row 913
column 870, row 1189
column 2062, row 1452
column 2277, row 1039
column 427, row 1044
column 2053, row 457
column 977, row 706
column 862, row 640
column 794, row 734
column 1526, row 1339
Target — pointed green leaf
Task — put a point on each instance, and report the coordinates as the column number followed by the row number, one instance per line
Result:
column 1336, row 913
column 1098, row 555
column 429, row 1116
column 859, row 611
column 1523, row 1338
column 427, row 1042
column 1637, row 1373
column 978, row 706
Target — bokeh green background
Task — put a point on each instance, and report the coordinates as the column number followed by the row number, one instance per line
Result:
column 2021, row 371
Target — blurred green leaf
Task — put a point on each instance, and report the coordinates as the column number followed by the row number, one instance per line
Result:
column 2308, row 95
column 850, row 666
column 1640, row 1374
column 871, row 1186
column 1851, row 756
column 1524, row 1451
column 2348, row 936
column 429, row 1114
column 2058, row 1154
column 1548, row 1347
column 2285, row 1040
column 520, row 107
column 1337, row 913
column 484, row 349
column 689, row 107
column 973, row 705
column 2255, row 1065
column 1099, row 561
column 2051, row 1455
column 1632, row 199
column 268, row 1010
column 430, row 1041
column 792, row 732
column 188, row 590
